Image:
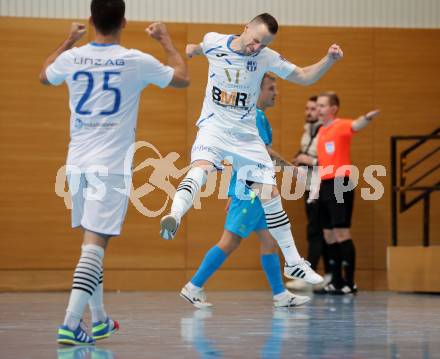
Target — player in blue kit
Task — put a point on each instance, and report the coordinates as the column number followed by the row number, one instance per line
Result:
column 243, row 218
column 105, row 81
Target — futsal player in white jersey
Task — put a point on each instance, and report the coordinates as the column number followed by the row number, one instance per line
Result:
column 105, row 81
column 227, row 127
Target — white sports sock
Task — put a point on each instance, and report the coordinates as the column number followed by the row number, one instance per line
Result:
column 96, row 303
column 187, row 191
column 192, row 286
column 280, row 295
column 279, row 227
column 85, row 281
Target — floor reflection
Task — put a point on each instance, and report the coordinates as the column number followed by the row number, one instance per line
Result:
column 88, row 352
column 331, row 327
column 192, row 330
column 283, row 323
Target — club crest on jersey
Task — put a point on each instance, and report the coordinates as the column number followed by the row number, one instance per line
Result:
column 251, row 65
column 330, row 147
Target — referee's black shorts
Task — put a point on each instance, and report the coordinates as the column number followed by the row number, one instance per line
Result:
column 331, row 213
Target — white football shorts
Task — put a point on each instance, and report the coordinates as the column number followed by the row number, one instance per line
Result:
column 246, row 152
column 99, row 203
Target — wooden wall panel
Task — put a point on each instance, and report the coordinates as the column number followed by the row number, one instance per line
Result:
column 37, row 245
column 422, row 276
column 34, row 137
column 115, row 280
column 406, row 86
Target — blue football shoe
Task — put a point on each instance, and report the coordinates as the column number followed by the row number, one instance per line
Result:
column 102, row 330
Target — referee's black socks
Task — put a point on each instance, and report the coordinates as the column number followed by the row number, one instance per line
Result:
column 335, row 264
column 348, row 257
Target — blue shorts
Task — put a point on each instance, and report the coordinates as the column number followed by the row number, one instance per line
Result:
column 245, row 217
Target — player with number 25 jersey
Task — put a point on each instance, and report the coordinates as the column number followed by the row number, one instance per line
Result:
column 105, row 82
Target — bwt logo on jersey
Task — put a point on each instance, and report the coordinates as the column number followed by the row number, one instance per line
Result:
column 98, row 62
column 234, row 99
column 251, row 65
column 78, row 123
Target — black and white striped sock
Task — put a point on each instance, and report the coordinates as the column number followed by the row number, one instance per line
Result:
column 279, row 227
column 85, row 280
column 188, row 190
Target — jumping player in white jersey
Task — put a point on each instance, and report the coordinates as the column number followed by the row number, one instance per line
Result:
column 243, row 218
column 105, row 81
column 227, row 127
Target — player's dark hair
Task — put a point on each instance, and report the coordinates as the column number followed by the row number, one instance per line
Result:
column 333, row 99
column 107, row 15
column 268, row 76
column 313, row 98
column 268, row 20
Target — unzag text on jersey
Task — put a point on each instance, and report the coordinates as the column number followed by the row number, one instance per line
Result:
column 98, row 62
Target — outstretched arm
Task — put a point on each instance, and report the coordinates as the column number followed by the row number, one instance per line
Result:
column 304, row 159
column 76, row 32
column 281, row 161
column 310, row 74
column 364, row 120
column 159, row 32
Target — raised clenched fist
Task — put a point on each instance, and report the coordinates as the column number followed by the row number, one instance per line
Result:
column 335, row 52
column 77, row 30
column 157, row 30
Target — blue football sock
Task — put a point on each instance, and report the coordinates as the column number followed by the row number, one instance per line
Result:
column 214, row 258
column 272, row 269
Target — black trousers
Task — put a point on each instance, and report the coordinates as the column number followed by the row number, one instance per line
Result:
column 315, row 236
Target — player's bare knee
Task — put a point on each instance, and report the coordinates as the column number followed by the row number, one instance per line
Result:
column 264, row 194
column 204, row 164
column 275, row 193
column 329, row 236
column 268, row 244
column 268, row 247
column 95, row 238
column 229, row 242
column 341, row 234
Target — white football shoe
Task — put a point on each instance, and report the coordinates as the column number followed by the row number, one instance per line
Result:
column 168, row 226
column 288, row 299
column 303, row 271
column 196, row 297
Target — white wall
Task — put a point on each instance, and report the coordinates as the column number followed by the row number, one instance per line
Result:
column 356, row 13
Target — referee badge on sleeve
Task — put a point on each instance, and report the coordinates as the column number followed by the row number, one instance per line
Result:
column 330, row 147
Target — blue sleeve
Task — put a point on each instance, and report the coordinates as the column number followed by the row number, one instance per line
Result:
column 264, row 128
